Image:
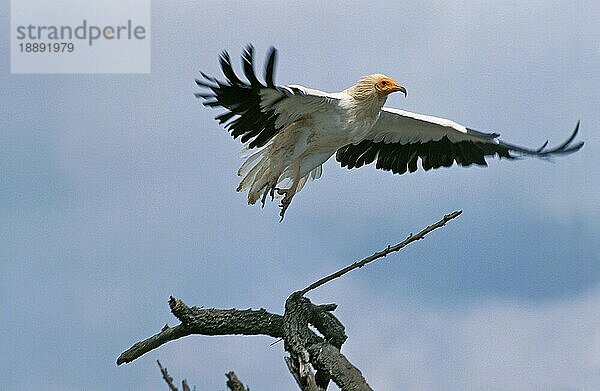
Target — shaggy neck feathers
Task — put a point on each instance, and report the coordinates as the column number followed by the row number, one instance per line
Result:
column 368, row 100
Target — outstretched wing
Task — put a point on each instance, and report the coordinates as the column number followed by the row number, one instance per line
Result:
column 400, row 138
column 256, row 112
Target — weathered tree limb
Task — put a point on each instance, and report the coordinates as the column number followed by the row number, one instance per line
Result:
column 234, row 384
column 169, row 379
column 390, row 249
column 293, row 368
column 330, row 360
column 222, row 322
column 297, row 316
column 165, row 335
column 214, row 321
column 333, row 331
column 207, row 321
column 307, row 349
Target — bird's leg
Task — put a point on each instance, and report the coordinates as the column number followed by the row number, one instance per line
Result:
column 287, row 194
column 285, row 202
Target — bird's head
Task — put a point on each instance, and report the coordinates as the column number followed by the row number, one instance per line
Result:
column 375, row 85
column 385, row 85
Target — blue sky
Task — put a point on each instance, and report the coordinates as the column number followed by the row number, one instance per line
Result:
column 117, row 191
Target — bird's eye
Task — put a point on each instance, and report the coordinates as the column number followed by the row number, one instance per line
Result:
column 384, row 83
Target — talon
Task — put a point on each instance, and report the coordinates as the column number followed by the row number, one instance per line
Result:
column 285, row 203
column 283, row 192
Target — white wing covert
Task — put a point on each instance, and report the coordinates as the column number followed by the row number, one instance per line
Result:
column 399, row 139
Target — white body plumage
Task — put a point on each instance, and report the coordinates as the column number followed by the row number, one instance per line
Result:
column 312, row 131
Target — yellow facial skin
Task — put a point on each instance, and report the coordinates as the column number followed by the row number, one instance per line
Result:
column 386, row 85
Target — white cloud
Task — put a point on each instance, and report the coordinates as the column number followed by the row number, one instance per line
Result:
column 492, row 346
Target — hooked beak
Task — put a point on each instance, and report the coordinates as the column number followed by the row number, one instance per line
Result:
column 399, row 88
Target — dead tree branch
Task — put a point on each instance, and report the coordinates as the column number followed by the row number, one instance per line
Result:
column 169, row 379
column 234, row 383
column 308, row 350
column 390, row 249
column 207, row 321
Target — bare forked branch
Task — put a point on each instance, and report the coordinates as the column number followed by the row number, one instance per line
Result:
column 207, row 321
column 390, row 249
column 169, row 380
column 234, row 383
column 314, row 357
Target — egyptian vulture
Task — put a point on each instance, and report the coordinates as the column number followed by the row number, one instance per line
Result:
column 290, row 131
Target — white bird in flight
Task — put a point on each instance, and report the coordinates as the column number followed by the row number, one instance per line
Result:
column 292, row 130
